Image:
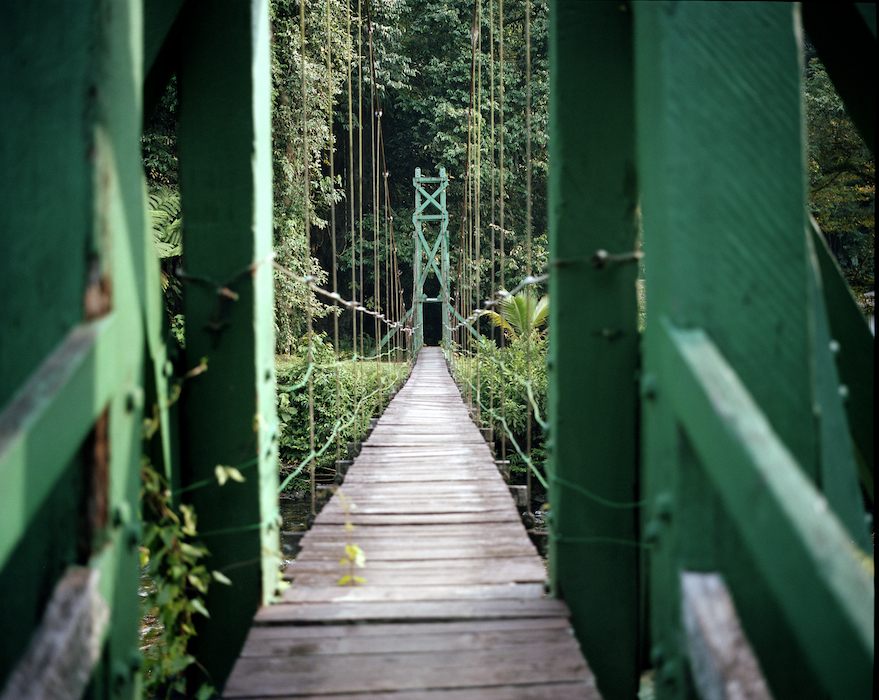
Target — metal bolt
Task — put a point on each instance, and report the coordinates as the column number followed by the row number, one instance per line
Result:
column 132, row 536
column 121, row 514
column 649, row 387
column 664, row 506
column 669, row 672
column 134, row 399
column 652, row 531
column 657, row 655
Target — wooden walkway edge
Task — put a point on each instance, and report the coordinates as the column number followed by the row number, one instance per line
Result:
column 452, row 605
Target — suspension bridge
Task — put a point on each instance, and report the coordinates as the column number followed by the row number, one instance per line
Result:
column 708, row 476
column 451, row 599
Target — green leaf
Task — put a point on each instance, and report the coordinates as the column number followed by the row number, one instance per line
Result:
column 221, row 578
column 198, row 606
column 191, row 551
column 198, row 583
column 224, row 473
column 188, row 519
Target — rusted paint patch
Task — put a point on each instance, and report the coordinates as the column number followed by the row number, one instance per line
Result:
column 98, row 298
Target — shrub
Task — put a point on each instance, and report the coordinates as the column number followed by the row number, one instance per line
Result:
column 355, row 385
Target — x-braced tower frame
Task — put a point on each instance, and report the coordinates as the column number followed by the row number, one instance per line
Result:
column 439, row 249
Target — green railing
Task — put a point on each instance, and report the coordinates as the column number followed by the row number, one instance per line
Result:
column 727, row 441
column 83, row 351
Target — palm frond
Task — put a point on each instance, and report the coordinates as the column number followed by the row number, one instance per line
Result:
column 166, row 222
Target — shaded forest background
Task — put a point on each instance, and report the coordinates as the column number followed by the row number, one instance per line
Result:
column 421, row 53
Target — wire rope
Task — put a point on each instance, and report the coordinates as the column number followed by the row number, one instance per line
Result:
column 492, row 223
column 360, row 185
column 501, row 190
column 331, row 158
column 478, row 194
column 306, row 160
column 528, row 297
column 351, row 211
column 375, row 122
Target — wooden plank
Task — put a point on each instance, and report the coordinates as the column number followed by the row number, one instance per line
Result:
column 556, row 691
column 403, row 566
column 268, row 676
column 454, row 530
column 417, row 610
column 261, row 644
column 368, row 592
column 419, row 579
column 384, row 549
column 461, row 506
column 377, row 491
column 421, row 555
column 477, row 570
column 494, row 516
column 408, row 629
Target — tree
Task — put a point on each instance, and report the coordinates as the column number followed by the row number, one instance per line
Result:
column 295, row 247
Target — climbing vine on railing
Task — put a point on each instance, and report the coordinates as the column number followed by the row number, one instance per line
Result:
column 179, row 580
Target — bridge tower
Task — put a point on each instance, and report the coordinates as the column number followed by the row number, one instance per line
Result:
column 431, row 256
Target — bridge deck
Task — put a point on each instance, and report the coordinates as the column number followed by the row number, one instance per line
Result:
column 453, row 603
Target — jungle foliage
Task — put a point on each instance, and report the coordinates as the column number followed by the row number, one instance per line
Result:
column 346, row 395
column 842, row 178
column 507, row 382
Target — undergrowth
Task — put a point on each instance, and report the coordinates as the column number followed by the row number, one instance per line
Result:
column 179, row 580
column 347, row 394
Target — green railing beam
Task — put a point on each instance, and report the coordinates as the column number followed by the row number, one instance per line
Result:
column 821, row 583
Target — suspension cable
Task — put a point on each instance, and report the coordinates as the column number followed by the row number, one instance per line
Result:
column 351, row 208
column 529, row 297
column 501, row 191
column 333, row 221
column 306, row 160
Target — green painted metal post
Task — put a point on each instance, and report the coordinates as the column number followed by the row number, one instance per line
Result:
column 425, row 252
column 228, row 412
column 594, row 338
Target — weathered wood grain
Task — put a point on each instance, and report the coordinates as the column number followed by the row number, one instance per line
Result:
column 452, row 605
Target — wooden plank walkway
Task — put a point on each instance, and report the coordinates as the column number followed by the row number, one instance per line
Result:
column 453, row 603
